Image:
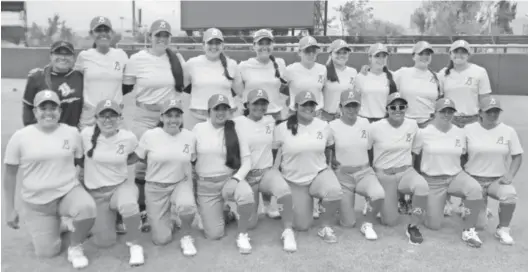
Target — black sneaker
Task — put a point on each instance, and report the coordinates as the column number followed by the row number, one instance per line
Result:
column 414, row 235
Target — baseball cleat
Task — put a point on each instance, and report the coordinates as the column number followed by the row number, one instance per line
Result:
column 471, row 238
column 414, row 235
column 136, row 255
column 503, row 234
column 187, row 246
column 328, row 235
column 242, row 241
column 288, row 240
column 76, row 257
column 368, row 231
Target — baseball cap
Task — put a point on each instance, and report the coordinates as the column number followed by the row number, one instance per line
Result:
column 338, row 45
column 378, row 48
column 255, row 95
column 350, row 96
column 46, row 95
column 308, row 41
column 304, row 97
column 171, row 104
column 460, row 44
column 107, row 104
column 99, row 21
column 62, row 45
column 489, row 102
column 216, row 100
column 395, row 96
column 213, row 33
column 160, row 26
column 262, row 34
column 421, row 46
column 444, row 103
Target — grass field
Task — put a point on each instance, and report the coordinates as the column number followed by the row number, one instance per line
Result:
column 441, row 251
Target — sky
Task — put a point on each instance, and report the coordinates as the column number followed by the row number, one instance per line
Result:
column 79, row 13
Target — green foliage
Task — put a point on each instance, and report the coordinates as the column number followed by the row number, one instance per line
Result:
column 357, row 19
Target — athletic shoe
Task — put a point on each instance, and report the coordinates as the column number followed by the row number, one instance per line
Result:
column 471, row 238
column 368, row 231
column 242, row 241
column 144, row 226
column 288, row 239
column 414, row 235
column 271, row 211
column 328, row 235
column 76, row 257
column 503, row 234
column 121, row 228
column 187, row 246
column 137, row 257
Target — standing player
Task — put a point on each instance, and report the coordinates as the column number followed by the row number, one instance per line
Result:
column 102, row 67
column 339, row 77
column 59, row 77
column 441, row 145
column 153, row 74
column 392, row 141
column 45, row 152
column 222, row 77
column 492, row 146
column 258, row 130
column 223, row 161
column 109, row 151
column 303, row 141
column 168, row 151
column 350, row 160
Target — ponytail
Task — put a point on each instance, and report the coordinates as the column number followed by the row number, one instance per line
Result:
column 392, row 84
column 246, row 109
column 437, row 83
column 223, row 60
column 232, row 144
column 95, row 136
column 176, row 70
column 331, row 73
column 160, row 124
column 276, row 66
column 94, row 45
column 449, row 67
column 292, row 123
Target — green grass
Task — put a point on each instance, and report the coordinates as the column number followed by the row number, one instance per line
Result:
column 441, row 251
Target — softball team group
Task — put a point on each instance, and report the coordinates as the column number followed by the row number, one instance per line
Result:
column 379, row 134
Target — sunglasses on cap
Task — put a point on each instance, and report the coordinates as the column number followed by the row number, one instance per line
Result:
column 397, row 107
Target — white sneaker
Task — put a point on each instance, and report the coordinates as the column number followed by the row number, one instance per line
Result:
column 187, row 246
column 503, row 233
column 328, row 235
column 271, row 211
column 368, row 231
column 137, row 257
column 242, row 241
column 76, row 257
column 288, row 239
column 471, row 238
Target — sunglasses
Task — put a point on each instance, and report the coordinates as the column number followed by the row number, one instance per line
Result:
column 397, row 107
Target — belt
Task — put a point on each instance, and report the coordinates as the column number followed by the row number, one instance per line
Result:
column 166, row 184
column 149, row 107
column 354, row 169
column 214, row 179
column 394, row 170
column 438, row 176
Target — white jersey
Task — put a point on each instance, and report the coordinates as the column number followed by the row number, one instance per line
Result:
column 392, row 146
column 374, row 90
column 259, row 136
column 351, row 142
column 332, row 90
column 420, row 89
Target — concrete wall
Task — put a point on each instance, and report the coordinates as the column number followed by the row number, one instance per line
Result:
column 508, row 72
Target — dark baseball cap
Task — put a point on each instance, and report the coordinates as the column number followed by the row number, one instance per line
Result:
column 255, row 95
column 305, row 97
column 262, row 34
column 308, row 41
column 57, row 46
column 395, row 96
column 350, row 96
column 489, row 102
column 46, row 95
column 211, row 34
column 160, row 26
column 338, row 45
column 171, row 104
column 100, row 21
column 378, row 48
column 444, row 103
column 460, row 44
column 421, row 46
column 107, row 104
column 216, row 100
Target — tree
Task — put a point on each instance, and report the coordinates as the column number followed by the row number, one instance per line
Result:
column 419, row 20
column 357, row 19
column 448, row 17
column 505, row 13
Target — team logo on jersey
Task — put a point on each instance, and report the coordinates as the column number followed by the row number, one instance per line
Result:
column 66, row 145
column 363, row 134
column 469, row 81
column 502, row 141
column 186, row 149
column 457, row 143
column 268, row 129
column 409, row 137
column 319, row 135
column 65, row 89
column 320, row 80
column 120, row 149
column 117, row 66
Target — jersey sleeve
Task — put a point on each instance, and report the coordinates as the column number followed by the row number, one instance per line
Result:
column 371, row 133
column 418, row 142
column 397, row 76
column 13, row 150
column 131, row 70
column 515, row 144
column 143, row 145
column 79, row 63
column 132, row 143
column 484, row 85
column 288, row 73
column 330, row 135
column 278, row 137
column 282, row 67
column 78, row 147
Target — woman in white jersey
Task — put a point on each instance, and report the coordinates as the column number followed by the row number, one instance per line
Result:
column 45, row 152
column 209, row 74
column 350, row 161
column 376, row 85
column 392, row 140
column 153, row 75
column 339, row 77
column 303, row 142
column 493, row 146
column 441, row 145
column 223, row 160
column 258, row 128
column 168, row 151
column 109, row 151
column 103, row 68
